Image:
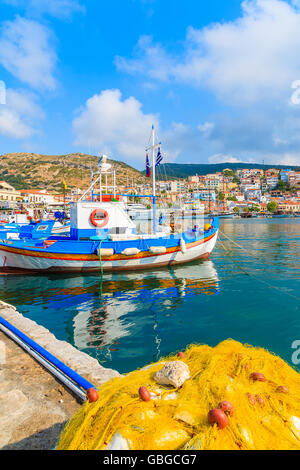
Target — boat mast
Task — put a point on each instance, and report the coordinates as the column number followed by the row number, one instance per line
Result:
column 148, row 148
column 153, row 179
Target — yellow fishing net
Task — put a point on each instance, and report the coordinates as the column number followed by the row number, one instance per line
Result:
column 264, row 417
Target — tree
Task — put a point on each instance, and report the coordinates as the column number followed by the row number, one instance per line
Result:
column 282, row 186
column 228, row 173
column 272, row 206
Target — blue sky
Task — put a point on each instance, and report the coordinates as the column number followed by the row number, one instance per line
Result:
column 218, row 79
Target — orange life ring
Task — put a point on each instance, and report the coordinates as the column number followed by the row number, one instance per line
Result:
column 99, row 217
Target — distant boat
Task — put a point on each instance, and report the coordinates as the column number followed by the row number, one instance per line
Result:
column 32, row 231
column 280, row 216
column 226, row 216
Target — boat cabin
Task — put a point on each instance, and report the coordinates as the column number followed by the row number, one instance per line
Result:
column 99, row 220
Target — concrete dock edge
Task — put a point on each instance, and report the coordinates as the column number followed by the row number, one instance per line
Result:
column 34, row 405
column 77, row 360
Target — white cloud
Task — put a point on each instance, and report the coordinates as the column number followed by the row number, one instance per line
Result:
column 220, row 158
column 206, row 128
column 18, row 115
column 288, row 159
column 26, row 52
column 119, row 127
column 252, row 58
column 114, row 126
column 151, row 59
column 62, row 9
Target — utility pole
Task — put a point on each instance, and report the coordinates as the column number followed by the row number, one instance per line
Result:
column 64, row 185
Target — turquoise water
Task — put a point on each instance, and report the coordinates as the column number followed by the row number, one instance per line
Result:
column 133, row 319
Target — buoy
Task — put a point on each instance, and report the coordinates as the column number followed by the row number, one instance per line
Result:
column 130, row 251
column 144, row 394
column 157, row 250
column 227, row 407
column 219, row 417
column 181, row 354
column 92, row 395
column 258, row 376
column 105, row 251
column 207, row 227
column 182, row 246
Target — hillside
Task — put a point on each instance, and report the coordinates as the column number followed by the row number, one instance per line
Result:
column 34, row 171
column 182, row 170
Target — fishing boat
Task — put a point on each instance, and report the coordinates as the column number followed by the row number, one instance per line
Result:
column 104, row 238
column 39, row 230
column 12, row 223
column 280, row 216
column 16, row 229
column 226, row 216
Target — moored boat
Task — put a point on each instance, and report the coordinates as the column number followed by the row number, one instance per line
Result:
column 104, row 238
column 110, row 245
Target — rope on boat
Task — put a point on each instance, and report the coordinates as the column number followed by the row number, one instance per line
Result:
column 101, row 267
column 271, row 286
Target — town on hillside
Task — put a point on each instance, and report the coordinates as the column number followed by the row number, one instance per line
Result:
column 243, row 191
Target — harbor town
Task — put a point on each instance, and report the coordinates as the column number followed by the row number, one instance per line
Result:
column 240, row 192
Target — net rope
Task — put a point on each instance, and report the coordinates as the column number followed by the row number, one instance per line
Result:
column 265, row 416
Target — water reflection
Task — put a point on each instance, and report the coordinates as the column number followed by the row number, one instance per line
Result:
column 102, row 327
column 95, row 315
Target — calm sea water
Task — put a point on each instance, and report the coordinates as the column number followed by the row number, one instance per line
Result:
column 129, row 320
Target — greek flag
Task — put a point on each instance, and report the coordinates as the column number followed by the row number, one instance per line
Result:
column 158, row 157
column 148, row 169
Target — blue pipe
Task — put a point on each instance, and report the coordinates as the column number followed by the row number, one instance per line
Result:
column 83, row 383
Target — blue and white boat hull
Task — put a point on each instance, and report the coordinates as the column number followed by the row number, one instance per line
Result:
column 21, row 256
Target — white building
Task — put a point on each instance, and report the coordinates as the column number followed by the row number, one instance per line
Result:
column 272, row 181
column 177, row 186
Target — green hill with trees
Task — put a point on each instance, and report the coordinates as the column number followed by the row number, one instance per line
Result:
column 183, row 170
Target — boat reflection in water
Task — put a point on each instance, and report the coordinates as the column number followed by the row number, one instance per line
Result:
column 105, row 326
column 121, row 319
